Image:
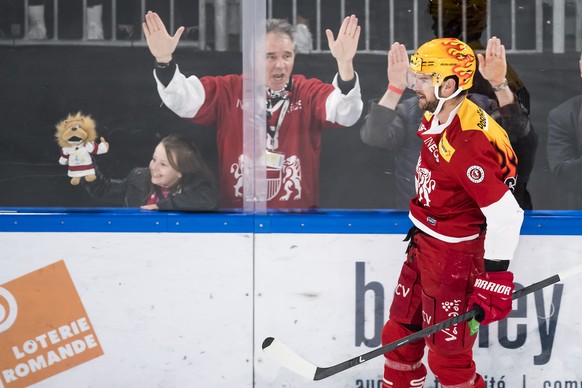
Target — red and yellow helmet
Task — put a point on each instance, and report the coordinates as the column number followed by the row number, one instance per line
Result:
column 444, row 57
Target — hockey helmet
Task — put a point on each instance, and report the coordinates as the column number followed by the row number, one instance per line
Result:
column 441, row 58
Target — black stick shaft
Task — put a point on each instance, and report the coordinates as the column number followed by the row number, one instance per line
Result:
column 322, row 373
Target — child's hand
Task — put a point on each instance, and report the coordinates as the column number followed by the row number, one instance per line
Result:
column 105, row 144
column 149, row 207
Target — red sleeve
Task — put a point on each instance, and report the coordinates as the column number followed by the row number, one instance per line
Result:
column 221, row 92
column 314, row 93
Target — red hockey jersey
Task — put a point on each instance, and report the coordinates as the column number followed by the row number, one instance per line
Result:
column 313, row 105
column 465, row 165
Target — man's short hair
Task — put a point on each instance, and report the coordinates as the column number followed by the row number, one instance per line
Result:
column 280, row 26
column 456, row 79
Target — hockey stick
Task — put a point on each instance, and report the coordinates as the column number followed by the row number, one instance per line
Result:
column 279, row 352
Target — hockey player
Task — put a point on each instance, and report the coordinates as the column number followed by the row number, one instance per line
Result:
column 392, row 121
column 466, row 224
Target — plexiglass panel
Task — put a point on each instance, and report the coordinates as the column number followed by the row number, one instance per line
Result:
column 61, row 57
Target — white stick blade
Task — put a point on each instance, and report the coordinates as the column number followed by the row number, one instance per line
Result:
column 571, row 272
column 279, row 352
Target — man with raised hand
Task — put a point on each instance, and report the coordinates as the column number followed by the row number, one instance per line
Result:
column 297, row 111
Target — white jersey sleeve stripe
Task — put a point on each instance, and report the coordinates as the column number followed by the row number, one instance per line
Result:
column 184, row 96
column 344, row 109
column 504, row 219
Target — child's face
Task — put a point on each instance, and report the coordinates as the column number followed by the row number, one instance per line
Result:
column 163, row 174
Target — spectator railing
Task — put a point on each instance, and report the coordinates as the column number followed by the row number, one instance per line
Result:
column 546, row 24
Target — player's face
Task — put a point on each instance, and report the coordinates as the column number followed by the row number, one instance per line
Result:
column 163, row 174
column 424, row 89
column 280, row 60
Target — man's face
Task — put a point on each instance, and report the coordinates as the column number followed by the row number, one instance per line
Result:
column 280, row 60
column 424, row 89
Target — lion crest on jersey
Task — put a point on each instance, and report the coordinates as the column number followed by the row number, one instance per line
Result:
column 236, row 169
column 287, row 178
column 291, row 178
column 424, row 184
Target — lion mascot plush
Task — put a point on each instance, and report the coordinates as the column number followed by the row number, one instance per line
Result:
column 76, row 136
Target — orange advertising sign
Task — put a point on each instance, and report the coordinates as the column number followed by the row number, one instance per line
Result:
column 44, row 328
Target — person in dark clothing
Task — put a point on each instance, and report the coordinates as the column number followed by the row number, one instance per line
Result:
column 176, row 179
column 448, row 22
column 565, row 150
column 392, row 124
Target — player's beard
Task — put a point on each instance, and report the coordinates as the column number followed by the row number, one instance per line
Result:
column 428, row 105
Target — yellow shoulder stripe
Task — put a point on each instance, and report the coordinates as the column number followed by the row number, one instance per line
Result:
column 445, row 148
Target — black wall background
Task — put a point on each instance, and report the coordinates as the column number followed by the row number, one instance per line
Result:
column 40, row 85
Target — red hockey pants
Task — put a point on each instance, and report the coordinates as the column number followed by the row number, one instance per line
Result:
column 435, row 284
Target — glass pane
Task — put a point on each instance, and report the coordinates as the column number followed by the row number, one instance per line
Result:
column 60, row 57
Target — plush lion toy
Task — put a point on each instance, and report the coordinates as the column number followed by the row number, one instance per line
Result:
column 76, row 136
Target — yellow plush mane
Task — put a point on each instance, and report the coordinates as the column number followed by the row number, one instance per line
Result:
column 78, row 122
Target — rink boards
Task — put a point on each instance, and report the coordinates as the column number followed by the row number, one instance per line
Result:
column 120, row 298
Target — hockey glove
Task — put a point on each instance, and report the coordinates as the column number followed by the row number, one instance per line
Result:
column 492, row 294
